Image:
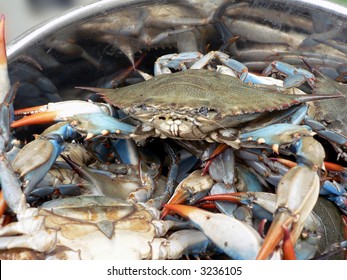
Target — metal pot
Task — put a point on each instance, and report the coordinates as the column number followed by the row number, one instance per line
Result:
column 84, row 46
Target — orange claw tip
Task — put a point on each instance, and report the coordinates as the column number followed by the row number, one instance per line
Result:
column 179, row 197
column 164, row 213
column 207, row 166
column 261, row 227
column 39, row 118
column 209, row 206
column 334, row 167
column 184, row 210
column 328, row 165
column 232, row 197
column 288, row 246
column 3, row 205
column 270, row 243
column 274, row 235
column 220, row 149
column 3, row 59
column 285, row 162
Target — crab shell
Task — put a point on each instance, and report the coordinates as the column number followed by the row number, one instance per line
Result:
column 193, row 103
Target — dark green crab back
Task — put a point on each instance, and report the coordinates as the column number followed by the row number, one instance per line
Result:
column 194, row 89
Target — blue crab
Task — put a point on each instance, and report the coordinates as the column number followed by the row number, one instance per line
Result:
column 190, row 105
column 207, row 105
column 200, row 104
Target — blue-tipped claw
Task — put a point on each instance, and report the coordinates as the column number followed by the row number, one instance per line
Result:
column 276, row 135
column 36, row 159
column 100, row 124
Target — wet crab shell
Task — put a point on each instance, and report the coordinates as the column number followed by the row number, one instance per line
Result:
column 192, row 103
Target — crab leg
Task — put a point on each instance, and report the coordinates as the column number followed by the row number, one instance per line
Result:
column 276, row 135
column 326, row 133
column 295, row 76
column 224, row 231
column 306, row 247
column 59, row 111
column 175, row 61
column 11, row 187
column 103, row 184
column 220, row 149
column 3, row 204
column 295, row 201
column 6, row 95
column 4, row 78
column 335, row 193
column 329, row 166
column 186, row 241
column 9, row 182
column 193, row 184
column 222, row 171
column 41, row 241
column 288, row 246
column 297, row 193
column 267, row 201
column 72, row 49
column 31, row 166
column 172, row 176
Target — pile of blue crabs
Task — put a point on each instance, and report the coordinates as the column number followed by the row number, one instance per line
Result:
column 198, row 157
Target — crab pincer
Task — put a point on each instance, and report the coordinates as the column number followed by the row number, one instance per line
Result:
column 295, row 200
column 4, row 78
column 88, row 118
column 195, row 183
column 224, row 231
column 263, row 204
column 36, row 158
column 59, row 111
column 8, row 180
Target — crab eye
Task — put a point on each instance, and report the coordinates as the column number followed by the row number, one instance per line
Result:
column 162, row 118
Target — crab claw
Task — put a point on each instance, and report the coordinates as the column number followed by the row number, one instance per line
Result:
column 224, row 231
column 36, row 158
column 6, row 92
column 4, row 78
column 53, row 112
column 288, row 246
column 297, row 193
column 263, row 204
column 193, row 184
column 240, row 197
column 11, row 191
column 220, row 149
column 276, row 135
column 3, row 205
column 329, row 166
column 100, row 124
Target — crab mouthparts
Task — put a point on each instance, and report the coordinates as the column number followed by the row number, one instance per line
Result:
column 175, row 125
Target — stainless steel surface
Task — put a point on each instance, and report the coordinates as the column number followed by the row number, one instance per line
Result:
column 99, row 8
column 88, row 46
